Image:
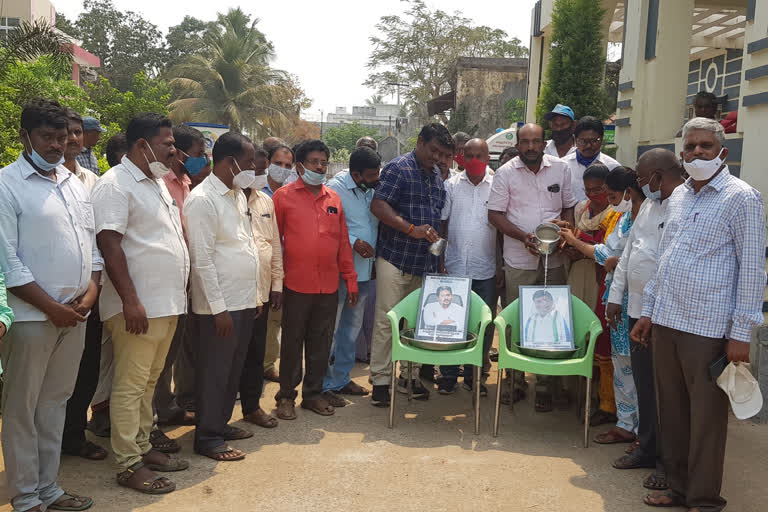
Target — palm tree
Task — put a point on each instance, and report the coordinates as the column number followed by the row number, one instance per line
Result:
column 231, row 82
column 31, row 40
column 375, row 99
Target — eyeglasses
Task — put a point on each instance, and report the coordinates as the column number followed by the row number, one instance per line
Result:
column 588, row 142
column 315, row 163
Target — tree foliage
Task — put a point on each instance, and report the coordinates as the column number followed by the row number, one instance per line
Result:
column 514, row 111
column 421, row 50
column 346, row 135
column 577, row 58
column 186, row 39
column 31, row 40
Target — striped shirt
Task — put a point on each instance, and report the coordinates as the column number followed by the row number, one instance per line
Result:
column 711, row 273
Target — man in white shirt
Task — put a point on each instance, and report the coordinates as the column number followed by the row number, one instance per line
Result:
column 530, row 189
column 139, row 233
column 546, row 324
column 444, row 312
column 471, row 249
column 225, row 290
column 45, row 213
column 561, row 120
column 589, row 139
column 659, row 172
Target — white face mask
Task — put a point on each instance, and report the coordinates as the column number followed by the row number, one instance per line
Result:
column 259, row 182
column 158, row 169
column 277, row 173
column 244, row 179
column 623, row 207
column 702, row 170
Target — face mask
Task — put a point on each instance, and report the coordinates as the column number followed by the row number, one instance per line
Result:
column 475, row 167
column 277, row 173
column 158, row 169
column 561, row 136
column 599, row 198
column 623, row 207
column 243, row 179
column 651, row 195
column 312, row 177
column 459, row 159
column 40, row 162
column 702, row 170
column 259, row 182
column 194, row 164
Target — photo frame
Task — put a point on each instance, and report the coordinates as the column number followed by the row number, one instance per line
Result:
column 443, row 308
column 546, row 318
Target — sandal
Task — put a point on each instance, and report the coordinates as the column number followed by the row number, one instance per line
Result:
column 223, row 453
column 634, row 446
column 615, row 436
column 600, row 417
column 517, row 395
column 76, row 502
column 354, row 389
column 181, row 418
column 543, row 402
column 656, row 481
column 162, row 443
column 148, row 484
column 286, row 409
column 334, row 399
column 634, row 460
column 664, row 499
column 153, row 458
column 87, row 450
column 236, row 434
column 261, row 418
column 319, row 406
column 272, row 375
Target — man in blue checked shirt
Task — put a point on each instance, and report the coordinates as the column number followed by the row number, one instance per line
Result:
column 408, row 202
column 355, row 188
column 703, row 302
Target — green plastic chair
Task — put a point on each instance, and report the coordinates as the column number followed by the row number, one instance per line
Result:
column 479, row 318
column 584, row 322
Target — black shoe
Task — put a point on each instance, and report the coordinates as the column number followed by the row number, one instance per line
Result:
column 493, row 354
column 483, row 389
column 427, row 372
column 380, row 396
column 446, row 386
column 99, row 423
column 418, row 391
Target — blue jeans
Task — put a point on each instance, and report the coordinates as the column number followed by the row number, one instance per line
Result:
column 486, row 289
column 349, row 321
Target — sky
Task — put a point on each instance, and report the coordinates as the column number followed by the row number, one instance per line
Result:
column 324, row 43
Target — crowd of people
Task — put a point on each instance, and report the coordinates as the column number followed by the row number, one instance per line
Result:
column 157, row 292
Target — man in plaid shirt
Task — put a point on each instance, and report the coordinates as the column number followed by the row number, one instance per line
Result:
column 92, row 131
column 408, row 203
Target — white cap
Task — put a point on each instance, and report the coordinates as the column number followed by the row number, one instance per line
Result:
column 742, row 389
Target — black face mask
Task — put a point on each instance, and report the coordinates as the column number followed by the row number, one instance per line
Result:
column 561, row 136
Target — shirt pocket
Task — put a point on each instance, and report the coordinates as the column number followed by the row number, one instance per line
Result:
column 86, row 215
column 328, row 225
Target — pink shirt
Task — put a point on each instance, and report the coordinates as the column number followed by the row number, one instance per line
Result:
column 179, row 190
column 529, row 199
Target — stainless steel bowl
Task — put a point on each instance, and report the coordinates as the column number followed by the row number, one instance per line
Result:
column 406, row 336
column 438, row 248
column 547, row 237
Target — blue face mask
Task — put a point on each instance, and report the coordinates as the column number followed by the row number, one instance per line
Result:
column 651, row 195
column 194, row 164
column 313, row 178
column 40, row 162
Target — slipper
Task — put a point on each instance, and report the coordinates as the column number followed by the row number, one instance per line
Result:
column 170, row 465
column 87, row 450
column 614, row 436
column 675, row 500
column 236, row 434
column 219, row 454
column 145, row 486
column 162, row 443
column 634, row 460
column 334, row 399
column 543, row 402
column 85, row 502
column 353, row 389
column 286, row 409
column 319, row 406
column 601, row 417
column 261, row 418
column 656, row 482
column 631, row 448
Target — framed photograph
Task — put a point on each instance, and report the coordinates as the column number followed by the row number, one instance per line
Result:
column 443, row 308
column 546, row 318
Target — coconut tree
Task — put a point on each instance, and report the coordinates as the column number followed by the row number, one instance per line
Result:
column 31, row 40
column 231, row 82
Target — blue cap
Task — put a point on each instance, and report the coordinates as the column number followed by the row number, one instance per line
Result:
column 560, row 110
column 92, row 124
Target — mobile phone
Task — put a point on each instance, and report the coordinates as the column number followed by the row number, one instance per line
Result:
column 717, row 366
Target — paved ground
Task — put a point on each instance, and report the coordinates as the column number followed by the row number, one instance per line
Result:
column 430, row 461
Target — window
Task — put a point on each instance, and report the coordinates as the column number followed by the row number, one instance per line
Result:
column 6, row 25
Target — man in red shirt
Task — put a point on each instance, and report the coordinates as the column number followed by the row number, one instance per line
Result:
column 315, row 251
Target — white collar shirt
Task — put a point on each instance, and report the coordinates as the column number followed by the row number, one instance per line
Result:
column 577, row 171
column 638, row 261
column 528, row 199
column 225, row 259
column 435, row 314
column 141, row 209
column 46, row 235
column 471, row 249
column 86, row 177
column 551, row 149
column 267, row 236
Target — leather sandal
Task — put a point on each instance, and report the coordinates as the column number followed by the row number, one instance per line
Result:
column 319, row 406
column 286, row 409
